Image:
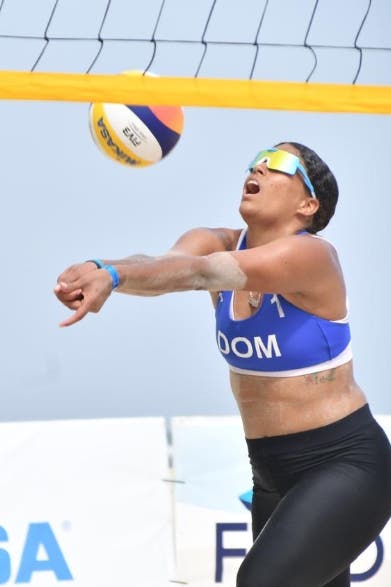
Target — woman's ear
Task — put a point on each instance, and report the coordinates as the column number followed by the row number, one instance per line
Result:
column 309, row 206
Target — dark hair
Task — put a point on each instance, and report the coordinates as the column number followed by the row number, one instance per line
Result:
column 325, row 186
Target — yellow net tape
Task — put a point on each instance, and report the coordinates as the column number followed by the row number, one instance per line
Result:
column 220, row 93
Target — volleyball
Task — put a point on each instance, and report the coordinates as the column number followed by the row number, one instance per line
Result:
column 136, row 136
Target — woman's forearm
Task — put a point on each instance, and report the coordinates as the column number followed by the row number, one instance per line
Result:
column 85, row 291
column 170, row 273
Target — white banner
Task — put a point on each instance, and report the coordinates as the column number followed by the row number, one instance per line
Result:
column 92, row 503
column 85, row 504
column 213, row 495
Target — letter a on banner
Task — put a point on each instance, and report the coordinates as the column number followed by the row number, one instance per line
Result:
column 42, row 535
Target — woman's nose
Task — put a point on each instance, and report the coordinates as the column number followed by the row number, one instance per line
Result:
column 260, row 168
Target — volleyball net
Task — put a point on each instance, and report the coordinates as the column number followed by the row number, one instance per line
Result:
column 214, row 53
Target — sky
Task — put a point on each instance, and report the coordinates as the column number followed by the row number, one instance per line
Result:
column 63, row 202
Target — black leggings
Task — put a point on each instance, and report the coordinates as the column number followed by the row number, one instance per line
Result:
column 320, row 498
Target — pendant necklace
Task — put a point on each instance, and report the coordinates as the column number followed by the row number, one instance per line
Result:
column 254, row 298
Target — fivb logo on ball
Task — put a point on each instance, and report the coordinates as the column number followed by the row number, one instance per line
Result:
column 40, row 555
column 136, row 136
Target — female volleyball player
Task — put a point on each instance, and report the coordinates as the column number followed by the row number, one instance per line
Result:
column 321, row 464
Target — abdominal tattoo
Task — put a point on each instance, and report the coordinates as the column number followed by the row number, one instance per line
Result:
column 321, row 377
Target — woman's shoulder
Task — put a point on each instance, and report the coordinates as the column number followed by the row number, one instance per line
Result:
column 228, row 237
column 304, row 250
column 305, row 240
column 206, row 240
column 321, row 244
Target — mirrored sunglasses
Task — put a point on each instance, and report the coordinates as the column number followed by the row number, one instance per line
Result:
column 279, row 160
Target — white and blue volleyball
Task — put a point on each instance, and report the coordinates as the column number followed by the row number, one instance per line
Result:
column 135, row 136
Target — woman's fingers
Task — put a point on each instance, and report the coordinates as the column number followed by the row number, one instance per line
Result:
column 88, row 294
column 70, row 298
column 80, row 312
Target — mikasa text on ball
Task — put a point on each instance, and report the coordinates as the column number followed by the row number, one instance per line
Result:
column 135, row 136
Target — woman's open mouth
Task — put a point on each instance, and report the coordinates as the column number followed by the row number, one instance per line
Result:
column 252, row 187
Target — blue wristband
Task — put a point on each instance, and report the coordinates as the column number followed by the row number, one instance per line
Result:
column 114, row 274
column 99, row 264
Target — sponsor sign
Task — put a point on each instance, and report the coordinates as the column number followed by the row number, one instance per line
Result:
column 84, row 503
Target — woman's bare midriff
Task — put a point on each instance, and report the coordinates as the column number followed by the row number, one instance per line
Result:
column 272, row 406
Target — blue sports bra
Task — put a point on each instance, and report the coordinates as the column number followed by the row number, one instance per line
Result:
column 279, row 339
